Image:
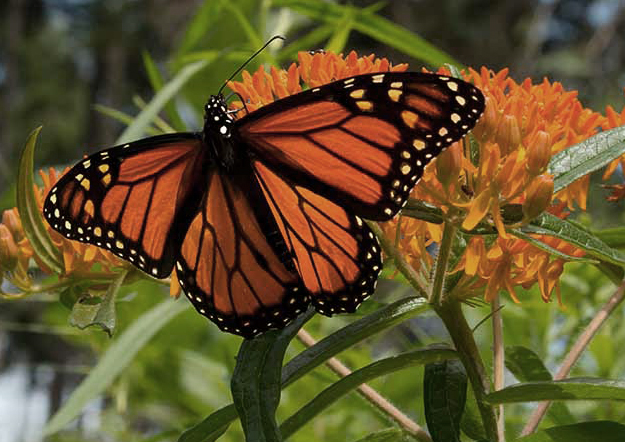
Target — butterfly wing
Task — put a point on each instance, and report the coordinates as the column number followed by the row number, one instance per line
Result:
column 230, row 265
column 363, row 142
column 136, row 200
column 336, row 255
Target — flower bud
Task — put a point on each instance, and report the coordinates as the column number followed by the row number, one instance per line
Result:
column 538, row 196
column 508, row 134
column 487, row 125
column 448, row 165
column 11, row 219
column 8, row 249
column 539, row 153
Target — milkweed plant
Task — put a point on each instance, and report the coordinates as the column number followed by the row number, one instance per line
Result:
column 493, row 221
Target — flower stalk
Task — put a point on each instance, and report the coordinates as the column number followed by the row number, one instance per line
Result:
column 450, row 311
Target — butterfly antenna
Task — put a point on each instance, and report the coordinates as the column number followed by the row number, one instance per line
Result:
column 275, row 37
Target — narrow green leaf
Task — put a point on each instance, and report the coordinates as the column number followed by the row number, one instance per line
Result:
column 156, row 81
column 203, row 19
column 351, row 334
column 471, row 423
column 316, row 355
column 248, row 29
column 256, row 384
column 554, row 252
column 526, row 366
column 386, row 435
column 141, row 122
column 123, row 118
column 341, row 32
column 375, row 26
column 613, row 237
column 567, row 389
column 211, row 428
column 605, row 431
column 583, row 158
column 310, row 41
column 444, row 397
column 31, row 217
column 340, row 388
column 117, row 357
column 547, row 224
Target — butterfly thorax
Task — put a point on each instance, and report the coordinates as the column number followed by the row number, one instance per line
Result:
column 217, row 133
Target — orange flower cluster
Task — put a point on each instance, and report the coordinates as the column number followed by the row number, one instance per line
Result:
column 313, row 70
column 614, row 119
column 524, row 124
column 16, row 250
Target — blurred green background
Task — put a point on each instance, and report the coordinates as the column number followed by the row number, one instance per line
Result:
column 60, row 58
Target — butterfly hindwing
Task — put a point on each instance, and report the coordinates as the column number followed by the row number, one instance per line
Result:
column 135, row 200
column 228, row 268
column 337, row 256
column 363, row 142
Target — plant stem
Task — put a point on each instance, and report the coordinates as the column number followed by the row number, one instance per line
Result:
column 375, row 398
column 498, row 361
column 576, row 351
column 440, row 264
column 450, row 312
column 402, row 265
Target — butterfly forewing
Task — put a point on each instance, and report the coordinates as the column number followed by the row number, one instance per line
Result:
column 363, row 142
column 336, row 255
column 135, row 200
column 230, row 271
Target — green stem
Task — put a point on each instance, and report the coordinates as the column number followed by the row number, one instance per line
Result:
column 402, row 265
column 450, row 312
column 440, row 265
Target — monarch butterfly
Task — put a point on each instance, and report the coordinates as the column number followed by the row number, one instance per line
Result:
column 261, row 216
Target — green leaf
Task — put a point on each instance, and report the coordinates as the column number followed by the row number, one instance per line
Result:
column 256, row 384
column 307, row 42
column 316, row 355
column 351, row 334
column 211, row 428
column 341, row 32
column 386, row 435
column 203, row 20
column 547, row 224
column 123, row 117
column 142, row 121
column 117, row 357
column 471, row 423
column 567, row 389
column 605, row 431
column 613, row 237
column 526, row 366
column 86, row 314
column 554, row 252
column 583, row 158
column 30, row 215
column 156, row 81
column 375, row 26
column 330, row 395
column 444, row 397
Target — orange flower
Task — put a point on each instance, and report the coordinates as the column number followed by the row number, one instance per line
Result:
column 78, row 258
column 313, row 70
column 614, row 119
column 523, row 125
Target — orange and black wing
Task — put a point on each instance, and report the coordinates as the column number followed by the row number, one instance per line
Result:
column 336, row 255
column 136, row 200
column 233, row 265
column 364, row 141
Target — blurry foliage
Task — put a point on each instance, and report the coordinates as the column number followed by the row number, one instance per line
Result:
column 63, row 57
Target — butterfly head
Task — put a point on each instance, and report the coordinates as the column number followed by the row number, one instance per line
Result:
column 217, row 118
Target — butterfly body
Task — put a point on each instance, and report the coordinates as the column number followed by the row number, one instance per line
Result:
column 261, row 216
